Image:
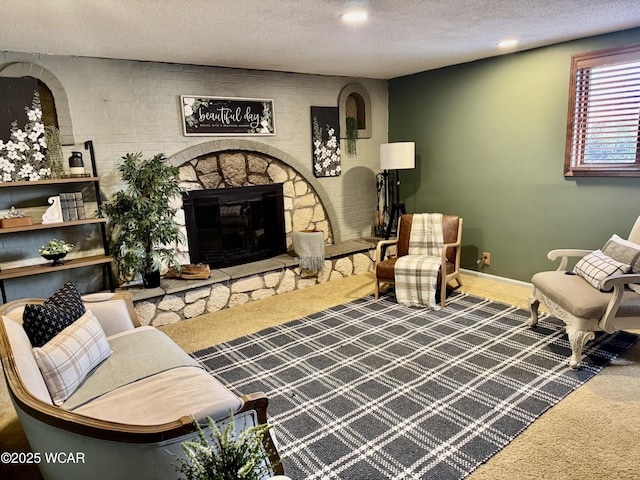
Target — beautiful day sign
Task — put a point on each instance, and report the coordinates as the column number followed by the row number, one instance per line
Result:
column 226, row 116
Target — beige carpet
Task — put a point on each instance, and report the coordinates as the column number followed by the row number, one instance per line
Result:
column 593, row 433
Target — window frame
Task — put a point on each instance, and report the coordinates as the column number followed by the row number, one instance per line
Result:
column 573, row 166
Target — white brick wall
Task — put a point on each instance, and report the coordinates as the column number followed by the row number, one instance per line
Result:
column 126, row 106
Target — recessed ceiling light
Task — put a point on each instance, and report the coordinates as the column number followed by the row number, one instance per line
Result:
column 508, row 43
column 354, row 16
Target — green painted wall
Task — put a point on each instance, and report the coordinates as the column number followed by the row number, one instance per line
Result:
column 490, row 139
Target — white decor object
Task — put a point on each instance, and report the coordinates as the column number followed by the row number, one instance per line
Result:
column 54, row 212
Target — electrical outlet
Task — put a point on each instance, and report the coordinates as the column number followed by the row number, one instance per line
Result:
column 486, row 258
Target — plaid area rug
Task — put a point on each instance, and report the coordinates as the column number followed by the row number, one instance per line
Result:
column 373, row 390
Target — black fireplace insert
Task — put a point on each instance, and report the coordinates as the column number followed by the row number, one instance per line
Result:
column 232, row 226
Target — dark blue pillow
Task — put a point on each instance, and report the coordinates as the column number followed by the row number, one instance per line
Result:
column 43, row 322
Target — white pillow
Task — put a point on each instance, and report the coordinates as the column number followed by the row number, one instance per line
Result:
column 68, row 357
column 596, row 267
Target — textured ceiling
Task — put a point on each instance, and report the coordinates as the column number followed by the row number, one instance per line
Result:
column 307, row 36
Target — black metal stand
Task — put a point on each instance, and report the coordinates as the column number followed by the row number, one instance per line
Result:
column 88, row 145
column 396, row 210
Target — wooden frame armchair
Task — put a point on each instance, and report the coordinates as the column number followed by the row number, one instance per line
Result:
column 450, row 270
column 583, row 308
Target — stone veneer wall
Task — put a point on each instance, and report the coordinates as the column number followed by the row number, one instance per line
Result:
column 182, row 299
column 302, row 207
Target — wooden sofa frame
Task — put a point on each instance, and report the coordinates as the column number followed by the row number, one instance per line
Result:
column 31, row 409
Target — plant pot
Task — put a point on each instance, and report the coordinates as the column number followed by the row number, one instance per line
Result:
column 151, row 279
column 56, row 257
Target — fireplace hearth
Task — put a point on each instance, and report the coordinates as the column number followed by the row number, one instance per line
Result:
column 233, row 226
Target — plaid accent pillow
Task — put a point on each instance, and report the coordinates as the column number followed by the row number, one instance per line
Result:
column 45, row 321
column 66, row 360
column 623, row 251
column 596, row 267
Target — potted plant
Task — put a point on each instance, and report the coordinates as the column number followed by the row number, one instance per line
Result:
column 227, row 457
column 55, row 250
column 142, row 230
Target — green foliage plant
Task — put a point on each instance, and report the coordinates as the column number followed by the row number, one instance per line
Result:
column 227, row 457
column 352, row 135
column 55, row 247
column 54, row 151
column 142, row 231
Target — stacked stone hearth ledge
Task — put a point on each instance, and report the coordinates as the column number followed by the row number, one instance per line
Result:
column 177, row 299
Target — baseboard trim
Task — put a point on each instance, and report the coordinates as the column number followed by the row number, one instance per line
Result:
column 495, row 278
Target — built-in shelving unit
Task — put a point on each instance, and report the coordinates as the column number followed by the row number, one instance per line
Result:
column 28, row 270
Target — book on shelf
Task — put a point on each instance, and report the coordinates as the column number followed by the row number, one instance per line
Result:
column 72, row 205
column 64, row 206
column 80, row 205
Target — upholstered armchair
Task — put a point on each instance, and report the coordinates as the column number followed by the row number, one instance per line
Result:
column 450, row 266
column 601, row 293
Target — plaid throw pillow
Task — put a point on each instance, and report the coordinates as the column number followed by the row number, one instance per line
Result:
column 45, row 321
column 66, row 360
column 596, row 267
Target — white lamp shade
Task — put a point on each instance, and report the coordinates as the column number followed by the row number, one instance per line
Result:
column 398, row 155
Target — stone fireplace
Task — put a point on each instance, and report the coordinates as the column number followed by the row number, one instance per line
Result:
column 234, row 164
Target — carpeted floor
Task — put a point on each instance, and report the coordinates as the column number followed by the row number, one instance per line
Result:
column 592, row 433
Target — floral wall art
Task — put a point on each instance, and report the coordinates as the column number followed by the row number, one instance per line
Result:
column 325, row 143
column 22, row 134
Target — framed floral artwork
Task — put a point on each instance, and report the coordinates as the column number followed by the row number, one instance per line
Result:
column 325, row 142
column 23, row 140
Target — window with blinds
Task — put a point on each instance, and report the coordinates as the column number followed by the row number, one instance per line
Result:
column 603, row 121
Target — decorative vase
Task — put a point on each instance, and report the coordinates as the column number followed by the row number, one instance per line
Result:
column 151, row 279
column 76, row 165
column 56, row 257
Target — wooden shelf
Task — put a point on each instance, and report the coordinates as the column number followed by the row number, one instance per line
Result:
column 50, row 181
column 64, row 184
column 45, row 226
column 48, row 267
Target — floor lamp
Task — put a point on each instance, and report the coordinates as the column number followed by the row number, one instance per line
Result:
column 396, row 156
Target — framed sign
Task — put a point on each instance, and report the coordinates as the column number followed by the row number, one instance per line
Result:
column 210, row 116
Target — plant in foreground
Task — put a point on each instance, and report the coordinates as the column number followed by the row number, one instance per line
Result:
column 227, row 457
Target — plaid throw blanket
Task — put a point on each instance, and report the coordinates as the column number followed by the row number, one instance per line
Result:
column 416, row 274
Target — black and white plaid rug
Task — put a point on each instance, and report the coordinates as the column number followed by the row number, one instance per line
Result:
column 371, row 390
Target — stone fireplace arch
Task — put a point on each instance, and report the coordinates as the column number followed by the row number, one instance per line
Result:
column 201, row 150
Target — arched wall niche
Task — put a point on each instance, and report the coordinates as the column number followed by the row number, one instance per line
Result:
column 61, row 102
column 197, row 152
column 354, row 101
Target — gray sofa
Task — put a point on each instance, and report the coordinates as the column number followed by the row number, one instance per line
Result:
column 131, row 412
